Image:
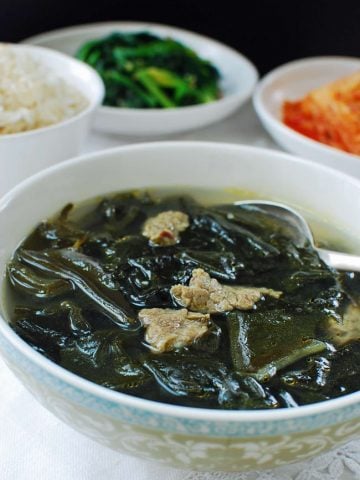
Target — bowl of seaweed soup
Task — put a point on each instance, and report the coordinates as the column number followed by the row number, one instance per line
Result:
column 272, row 326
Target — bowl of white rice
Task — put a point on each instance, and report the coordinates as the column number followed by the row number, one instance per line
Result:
column 47, row 101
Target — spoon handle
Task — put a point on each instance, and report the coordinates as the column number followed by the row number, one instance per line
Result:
column 340, row 261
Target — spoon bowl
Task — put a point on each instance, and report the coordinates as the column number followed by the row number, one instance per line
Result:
column 297, row 228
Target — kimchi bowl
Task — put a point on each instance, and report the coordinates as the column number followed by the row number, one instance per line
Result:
column 291, row 82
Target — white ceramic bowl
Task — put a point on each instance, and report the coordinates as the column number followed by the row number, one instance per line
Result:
column 23, row 154
column 180, row 436
column 239, row 77
column 293, row 81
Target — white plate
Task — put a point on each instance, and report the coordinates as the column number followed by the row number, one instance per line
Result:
column 290, row 82
column 238, row 74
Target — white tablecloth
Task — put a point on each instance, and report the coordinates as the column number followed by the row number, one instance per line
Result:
column 35, row 445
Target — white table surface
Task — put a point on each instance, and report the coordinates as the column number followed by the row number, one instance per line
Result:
column 36, row 445
column 242, row 127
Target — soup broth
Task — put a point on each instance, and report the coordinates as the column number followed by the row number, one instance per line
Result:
column 184, row 298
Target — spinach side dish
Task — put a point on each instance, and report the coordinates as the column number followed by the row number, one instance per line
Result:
column 142, row 70
column 168, row 299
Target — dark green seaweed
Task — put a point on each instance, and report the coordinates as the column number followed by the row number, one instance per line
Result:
column 77, row 282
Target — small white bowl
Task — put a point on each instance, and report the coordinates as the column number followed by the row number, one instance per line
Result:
column 238, row 75
column 293, row 81
column 23, row 154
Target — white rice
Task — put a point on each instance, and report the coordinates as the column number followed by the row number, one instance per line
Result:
column 31, row 94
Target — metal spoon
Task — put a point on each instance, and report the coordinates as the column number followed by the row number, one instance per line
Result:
column 301, row 234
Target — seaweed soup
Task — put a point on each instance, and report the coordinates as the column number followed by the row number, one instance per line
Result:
column 186, row 299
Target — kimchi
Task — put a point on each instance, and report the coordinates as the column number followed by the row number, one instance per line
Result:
column 329, row 114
